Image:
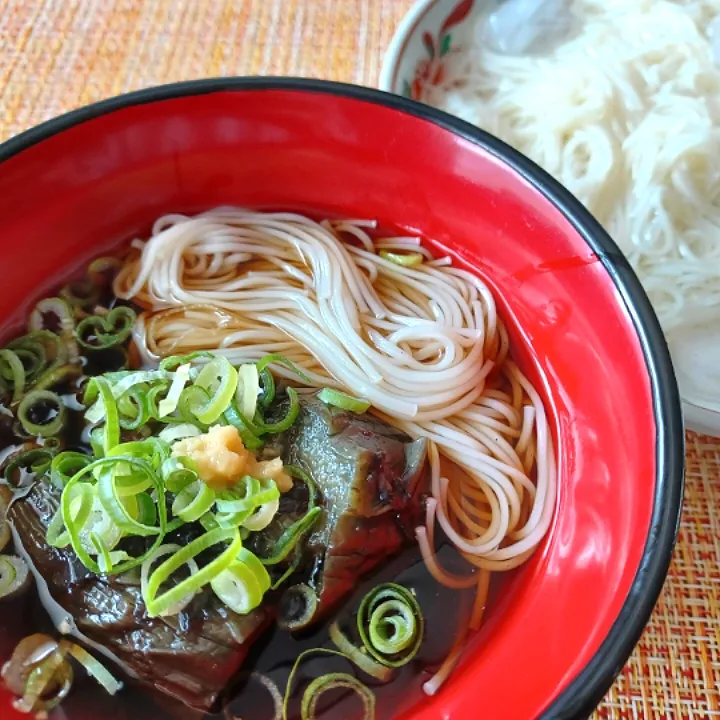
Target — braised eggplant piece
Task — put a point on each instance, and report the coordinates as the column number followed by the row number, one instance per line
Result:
column 190, row 656
column 370, row 477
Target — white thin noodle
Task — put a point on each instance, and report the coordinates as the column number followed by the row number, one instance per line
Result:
column 424, row 345
column 626, row 114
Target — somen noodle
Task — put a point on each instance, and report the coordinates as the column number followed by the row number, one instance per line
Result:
column 422, row 342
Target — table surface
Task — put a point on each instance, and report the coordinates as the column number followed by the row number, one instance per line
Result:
column 58, row 54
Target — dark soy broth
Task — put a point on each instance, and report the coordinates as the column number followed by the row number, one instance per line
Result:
column 275, row 652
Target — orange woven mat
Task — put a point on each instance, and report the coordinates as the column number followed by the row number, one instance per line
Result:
column 58, row 54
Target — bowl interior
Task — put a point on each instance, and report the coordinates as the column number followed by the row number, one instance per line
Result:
column 72, row 190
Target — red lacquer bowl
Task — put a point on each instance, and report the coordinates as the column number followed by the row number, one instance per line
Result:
column 564, row 624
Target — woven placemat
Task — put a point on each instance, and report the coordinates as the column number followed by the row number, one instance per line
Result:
column 58, row 54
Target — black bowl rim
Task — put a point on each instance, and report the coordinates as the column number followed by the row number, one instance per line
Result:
column 587, row 689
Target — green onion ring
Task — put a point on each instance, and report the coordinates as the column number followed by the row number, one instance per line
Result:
column 242, row 585
column 33, row 398
column 173, row 361
column 66, row 464
column 360, row 657
column 178, row 473
column 390, row 624
column 81, row 499
column 193, row 501
column 331, row 681
column 342, row 400
column 108, row 331
column 93, row 668
column 111, row 434
column 12, row 369
column 308, row 706
column 292, row 536
column 37, row 461
column 282, row 360
column 287, row 422
column 74, row 530
column 219, row 379
column 234, row 417
column 156, row 604
column 267, row 386
column 81, row 292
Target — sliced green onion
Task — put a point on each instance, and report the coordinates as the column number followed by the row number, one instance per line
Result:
column 111, row 436
column 178, row 473
column 249, row 494
column 157, row 604
column 111, row 498
column 263, row 516
column 267, row 387
column 193, row 501
column 248, row 388
column 292, row 536
column 134, row 409
column 65, row 465
column 163, row 550
column 57, row 374
column 179, row 432
column 402, row 259
column 80, row 504
column 332, row 681
column 52, row 674
column 99, row 333
column 37, row 461
column 173, row 361
column 101, row 267
column 292, row 567
column 219, row 379
column 297, row 607
column 342, row 400
column 93, row 668
column 51, row 306
column 299, row 474
column 117, row 511
column 31, row 401
column 81, row 292
column 324, row 683
column 97, row 441
column 287, row 422
column 242, row 586
column 103, row 552
column 11, row 368
column 14, row 576
column 192, row 399
column 48, row 351
column 367, row 664
column 390, row 624
column 281, row 360
column 250, row 438
column 170, row 403
column 119, row 384
column 5, row 534
column 65, row 318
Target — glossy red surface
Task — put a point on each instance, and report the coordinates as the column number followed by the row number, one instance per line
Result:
column 103, row 181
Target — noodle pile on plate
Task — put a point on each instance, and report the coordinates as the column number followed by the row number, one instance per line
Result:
column 624, row 110
column 421, row 341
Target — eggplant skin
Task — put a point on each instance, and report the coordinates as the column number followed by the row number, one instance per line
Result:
column 372, row 479
column 190, row 657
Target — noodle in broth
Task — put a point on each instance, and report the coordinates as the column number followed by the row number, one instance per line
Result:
column 422, row 343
